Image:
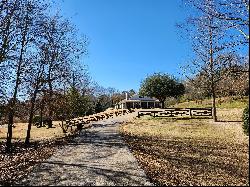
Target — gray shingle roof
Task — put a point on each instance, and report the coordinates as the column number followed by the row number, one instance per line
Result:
column 142, row 98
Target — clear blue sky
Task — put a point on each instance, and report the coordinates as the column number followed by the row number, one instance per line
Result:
column 129, row 39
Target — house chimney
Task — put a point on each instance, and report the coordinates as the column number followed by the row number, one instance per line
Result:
column 126, row 95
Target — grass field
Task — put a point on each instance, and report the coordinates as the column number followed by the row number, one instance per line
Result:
column 193, row 151
column 226, row 103
column 37, row 134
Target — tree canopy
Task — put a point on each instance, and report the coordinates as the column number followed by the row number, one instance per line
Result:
column 161, row 86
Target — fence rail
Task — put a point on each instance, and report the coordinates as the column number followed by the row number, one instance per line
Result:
column 177, row 112
column 79, row 122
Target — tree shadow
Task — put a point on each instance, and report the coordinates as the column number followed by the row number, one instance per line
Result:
column 197, row 158
column 106, row 138
column 97, row 138
column 118, row 174
column 115, row 176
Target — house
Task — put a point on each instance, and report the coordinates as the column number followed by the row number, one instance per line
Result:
column 138, row 101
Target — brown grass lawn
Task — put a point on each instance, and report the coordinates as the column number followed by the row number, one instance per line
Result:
column 191, row 152
column 37, row 134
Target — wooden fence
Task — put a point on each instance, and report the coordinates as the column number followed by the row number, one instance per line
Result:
column 79, row 122
column 177, row 112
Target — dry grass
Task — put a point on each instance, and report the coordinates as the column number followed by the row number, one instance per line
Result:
column 21, row 160
column 191, row 152
column 226, row 103
column 37, row 134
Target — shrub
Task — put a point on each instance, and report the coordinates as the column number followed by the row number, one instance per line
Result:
column 246, row 120
column 36, row 119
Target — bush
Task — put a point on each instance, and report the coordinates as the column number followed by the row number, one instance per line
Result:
column 36, row 119
column 246, row 120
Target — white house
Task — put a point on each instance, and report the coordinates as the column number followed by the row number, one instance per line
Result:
column 137, row 101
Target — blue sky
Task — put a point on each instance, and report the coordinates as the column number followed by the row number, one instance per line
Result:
column 129, row 39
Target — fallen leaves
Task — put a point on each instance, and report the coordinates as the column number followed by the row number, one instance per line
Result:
column 15, row 165
column 172, row 158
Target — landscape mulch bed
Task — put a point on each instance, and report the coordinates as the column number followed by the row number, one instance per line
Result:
column 18, row 163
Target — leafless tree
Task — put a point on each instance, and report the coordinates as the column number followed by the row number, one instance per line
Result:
column 233, row 13
column 209, row 43
column 25, row 23
column 59, row 52
column 38, row 53
column 8, row 12
column 235, row 77
column 236, row 15
column 36, row 81
column 8, row 41
column 62, row 50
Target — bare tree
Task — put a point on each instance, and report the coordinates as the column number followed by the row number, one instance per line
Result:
column 208, row 37
column 25, row 15
column 236, row 15
column 233, row 13
column 59, row 53
column 38, row 52
column 62, row 50
column 36, row 81
column 8, row 41
column 235, row 77
column 8, row 11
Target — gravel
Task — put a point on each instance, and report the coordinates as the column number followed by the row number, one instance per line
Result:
column 97, row 157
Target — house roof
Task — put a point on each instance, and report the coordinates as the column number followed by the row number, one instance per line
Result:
column 142, row 98
column 137, row 98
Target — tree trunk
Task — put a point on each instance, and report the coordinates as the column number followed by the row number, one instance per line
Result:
column 50, row 117
column 41, row 113
column 33, row 100
column 18, row 74
column 9, row 133
column 11, row 116
column 50, row 95
column 13, row 104
column 50, row 99
column 212, row 71
column 27, row 140
column 214, row 106
column 162, row 103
